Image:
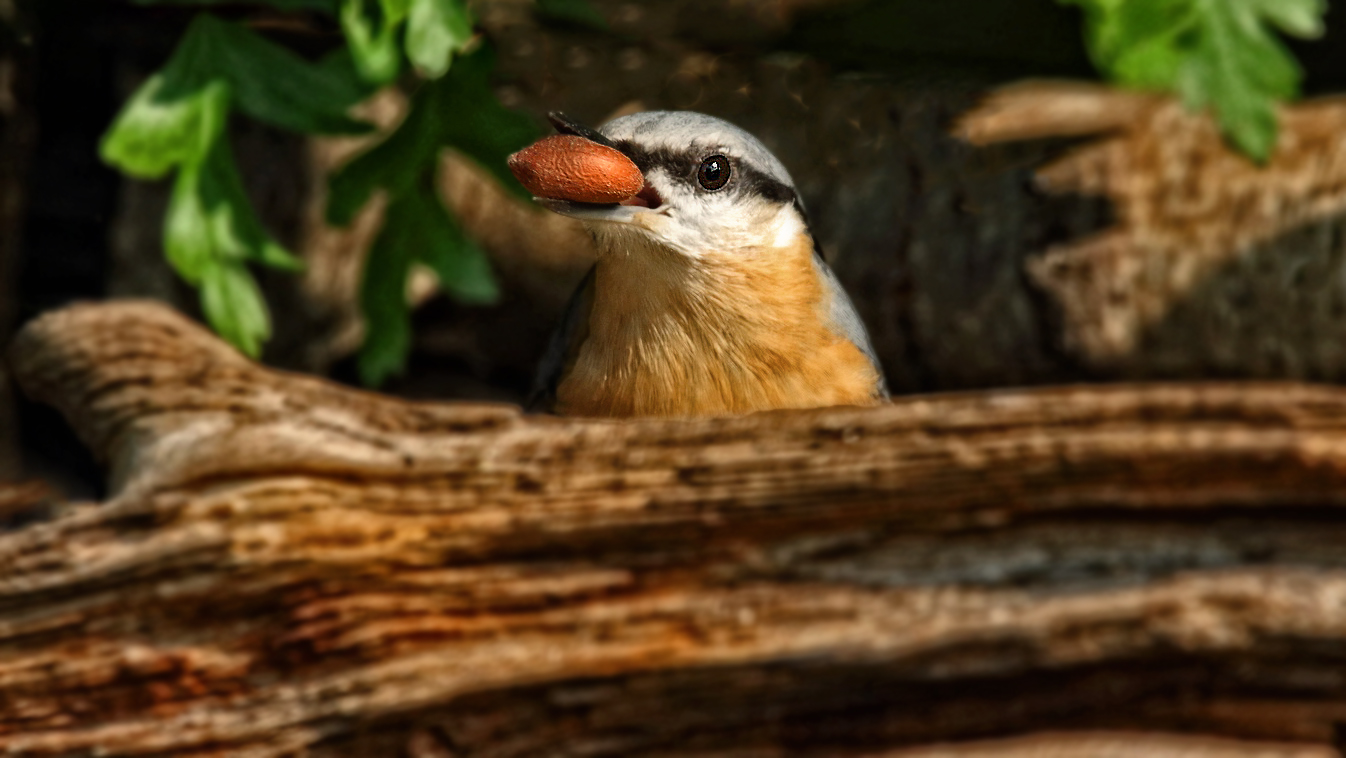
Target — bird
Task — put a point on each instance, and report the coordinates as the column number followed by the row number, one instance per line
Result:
column 709, row 295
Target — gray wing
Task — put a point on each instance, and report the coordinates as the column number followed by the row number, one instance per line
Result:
column 564, row 341
column 846, row 322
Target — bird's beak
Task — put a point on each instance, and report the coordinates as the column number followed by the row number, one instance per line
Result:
column 581, row 174
column 625, row 211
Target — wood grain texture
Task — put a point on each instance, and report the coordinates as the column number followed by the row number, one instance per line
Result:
column 290, row 567
column 1203, row 235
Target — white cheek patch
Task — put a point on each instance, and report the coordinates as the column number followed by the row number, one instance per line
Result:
column 698, row 224
column 789, row 226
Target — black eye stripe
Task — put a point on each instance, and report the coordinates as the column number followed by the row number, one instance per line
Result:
column 746, row 178
column 674, row 164
column 766, row 186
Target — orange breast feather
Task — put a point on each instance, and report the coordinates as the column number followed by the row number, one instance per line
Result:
column 745, row 334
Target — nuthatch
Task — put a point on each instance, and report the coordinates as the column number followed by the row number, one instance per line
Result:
column 709, row 296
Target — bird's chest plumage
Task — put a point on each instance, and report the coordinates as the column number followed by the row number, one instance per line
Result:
column 669, row 339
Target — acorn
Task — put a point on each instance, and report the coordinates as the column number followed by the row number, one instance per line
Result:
column 568, row 167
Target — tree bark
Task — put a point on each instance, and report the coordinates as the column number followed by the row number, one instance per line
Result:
column 286, row 565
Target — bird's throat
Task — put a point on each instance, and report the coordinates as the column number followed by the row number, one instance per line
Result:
column 723, row 333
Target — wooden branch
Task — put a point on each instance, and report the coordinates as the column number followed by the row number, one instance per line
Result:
column 1111, row 745
column 287, row 565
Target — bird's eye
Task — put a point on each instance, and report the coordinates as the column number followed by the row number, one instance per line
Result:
column 714, row 172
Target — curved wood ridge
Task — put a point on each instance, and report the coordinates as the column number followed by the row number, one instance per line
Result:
column 287, row 565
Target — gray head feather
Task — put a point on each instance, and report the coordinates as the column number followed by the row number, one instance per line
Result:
column 680, row 130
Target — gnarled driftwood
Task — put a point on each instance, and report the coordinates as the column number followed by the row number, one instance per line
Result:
column 288, row 566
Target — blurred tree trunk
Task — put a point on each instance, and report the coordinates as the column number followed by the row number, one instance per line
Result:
column 17, row 138
column 287, row 566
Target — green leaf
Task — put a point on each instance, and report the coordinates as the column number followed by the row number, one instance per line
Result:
column 1139, row 41
column 473, row 121
column 373, row 41
column 1221, row 54
column 238, row 233
column 274, row 85
column 190, row 231
column 175, row 115
column 416, row 228
column 436, row 30
column 1298, row 18
column 572, row 12
column 269, row 253
column 457, row 110
column 187, row 228
column 327, row 6
column 177, row 119
column 210, row 219
column 152, row 134
column 462, row 268
column 393, row 164
column 383, row 296
column 233, row 305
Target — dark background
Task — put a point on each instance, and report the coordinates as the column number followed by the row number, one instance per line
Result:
column 72, row 62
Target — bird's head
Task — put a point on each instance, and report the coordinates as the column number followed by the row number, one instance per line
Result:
column 687, row 182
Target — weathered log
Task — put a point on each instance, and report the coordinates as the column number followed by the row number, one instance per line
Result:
column 286, row 565
column 1105, row 745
